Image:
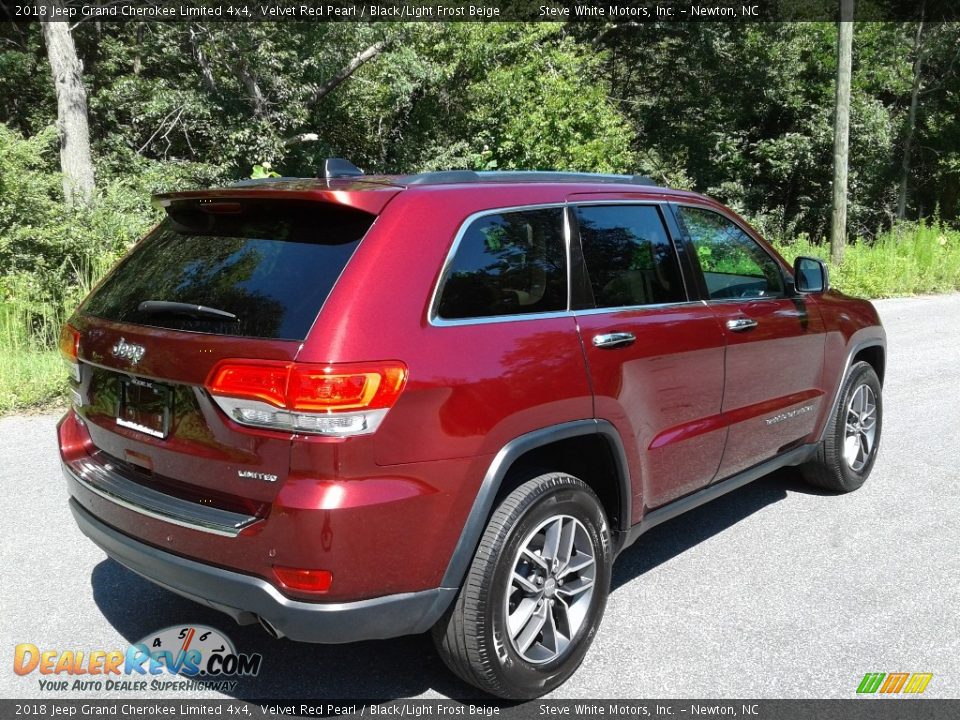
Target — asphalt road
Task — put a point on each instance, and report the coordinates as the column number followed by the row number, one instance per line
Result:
column 772, row 591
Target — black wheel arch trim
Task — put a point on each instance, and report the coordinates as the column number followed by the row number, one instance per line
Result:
column 853, row 349
column 502, row 462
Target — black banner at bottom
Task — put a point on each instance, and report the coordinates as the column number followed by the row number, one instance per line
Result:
column 872, row 708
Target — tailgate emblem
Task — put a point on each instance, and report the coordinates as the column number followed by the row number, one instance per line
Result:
column 128, row 351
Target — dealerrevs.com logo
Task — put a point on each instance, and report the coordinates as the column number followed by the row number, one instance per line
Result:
column 197, row 656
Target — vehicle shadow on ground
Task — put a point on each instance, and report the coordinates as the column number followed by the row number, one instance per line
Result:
column 402, row 667
column 676, row 536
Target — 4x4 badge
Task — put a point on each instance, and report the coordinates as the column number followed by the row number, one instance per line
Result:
column 128, row 351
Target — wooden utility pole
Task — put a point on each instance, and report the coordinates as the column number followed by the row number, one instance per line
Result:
column 841, row 132
column 73, row 127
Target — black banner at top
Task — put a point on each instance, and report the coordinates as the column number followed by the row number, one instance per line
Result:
column 849, row 709
column 605, row 11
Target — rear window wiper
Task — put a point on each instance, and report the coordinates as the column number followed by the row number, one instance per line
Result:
column 168, row 307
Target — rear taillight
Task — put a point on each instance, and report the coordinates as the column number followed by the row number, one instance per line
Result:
column 251, row 381
column 70, row 350
column 338, row 399
column 337, row 388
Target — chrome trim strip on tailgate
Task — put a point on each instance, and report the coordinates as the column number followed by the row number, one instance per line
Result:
column 101, row 479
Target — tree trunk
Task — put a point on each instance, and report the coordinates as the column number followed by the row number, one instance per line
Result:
column 73, row 127
column 911, row 123
column 349, row 69
column 206, row 72
column 841, row 132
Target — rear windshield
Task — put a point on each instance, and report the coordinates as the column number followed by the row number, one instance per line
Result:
column 270, row 264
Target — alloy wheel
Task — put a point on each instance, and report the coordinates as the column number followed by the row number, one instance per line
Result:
column 550, row 589
column 860, row 431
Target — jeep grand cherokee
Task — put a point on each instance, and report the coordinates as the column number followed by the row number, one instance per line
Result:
column 358, row 407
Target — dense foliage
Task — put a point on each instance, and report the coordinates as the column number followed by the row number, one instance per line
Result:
column 742, row 112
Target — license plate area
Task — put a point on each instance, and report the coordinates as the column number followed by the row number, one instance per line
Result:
column 145, row 406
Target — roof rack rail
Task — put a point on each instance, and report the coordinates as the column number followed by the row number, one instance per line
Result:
column 338, row 168
column 448, row 177
column 443, row 177
column 250, row 182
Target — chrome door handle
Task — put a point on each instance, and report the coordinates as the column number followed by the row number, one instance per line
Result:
column 613, row 340
column 741, row 324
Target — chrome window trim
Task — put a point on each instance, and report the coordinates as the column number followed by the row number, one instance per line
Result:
column 635, row 308
column 434, row 319
column 490, row 319
column 742, row 301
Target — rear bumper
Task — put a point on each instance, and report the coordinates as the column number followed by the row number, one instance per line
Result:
column 247, row 598
column 380, row 531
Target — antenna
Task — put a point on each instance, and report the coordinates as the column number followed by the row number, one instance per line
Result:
column 338, row 168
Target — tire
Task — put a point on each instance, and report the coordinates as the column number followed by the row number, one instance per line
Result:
column 474, row 638
column 837, row 466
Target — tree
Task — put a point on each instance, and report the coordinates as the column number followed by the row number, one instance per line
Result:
column 911, row 118
column 76, row 162
column 841, row 132
column 538, row 101
column 933, row 54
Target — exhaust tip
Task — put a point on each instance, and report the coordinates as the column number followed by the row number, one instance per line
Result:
column 269, row 628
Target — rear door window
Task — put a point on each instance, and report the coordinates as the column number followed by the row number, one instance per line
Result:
column 268, row 266
column 629, row 257
column 509, row 263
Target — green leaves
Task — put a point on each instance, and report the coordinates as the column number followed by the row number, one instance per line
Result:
column 547, row 108
column 263, row 170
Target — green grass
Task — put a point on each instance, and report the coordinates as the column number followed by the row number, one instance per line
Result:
column 31, row 379
column 32, row 375
column 912, row 259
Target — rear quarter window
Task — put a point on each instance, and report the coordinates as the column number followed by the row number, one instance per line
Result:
column 508, row 263
column 271, row 264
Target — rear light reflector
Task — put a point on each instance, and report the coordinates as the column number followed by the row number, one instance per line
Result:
column 70, row 349
column 302, row 579
column 335, row 399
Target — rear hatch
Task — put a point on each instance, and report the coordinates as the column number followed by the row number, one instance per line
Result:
column 228, row 276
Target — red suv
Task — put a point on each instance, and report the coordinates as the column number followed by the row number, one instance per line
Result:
column 358, row 406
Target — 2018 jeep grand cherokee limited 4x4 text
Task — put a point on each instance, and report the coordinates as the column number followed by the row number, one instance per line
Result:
column 359, row 407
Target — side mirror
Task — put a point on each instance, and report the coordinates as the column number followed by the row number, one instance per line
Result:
column 810, row 275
